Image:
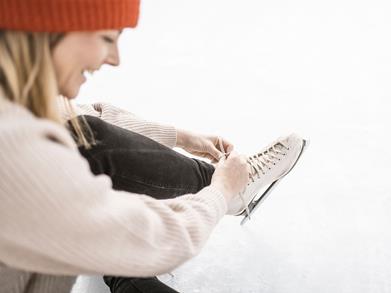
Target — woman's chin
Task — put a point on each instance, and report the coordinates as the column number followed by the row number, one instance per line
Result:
column 71, row 94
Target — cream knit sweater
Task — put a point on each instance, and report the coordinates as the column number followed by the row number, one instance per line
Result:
column 57, row 218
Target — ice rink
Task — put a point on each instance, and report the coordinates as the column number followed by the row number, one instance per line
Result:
column 251, row 71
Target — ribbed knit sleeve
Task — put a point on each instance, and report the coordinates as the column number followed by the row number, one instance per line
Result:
column 161, row 133
column 56, row 217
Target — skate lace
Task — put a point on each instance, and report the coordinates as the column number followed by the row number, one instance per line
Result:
column 262, row 162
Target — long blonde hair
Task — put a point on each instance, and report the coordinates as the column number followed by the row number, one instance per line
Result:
column 27, row 77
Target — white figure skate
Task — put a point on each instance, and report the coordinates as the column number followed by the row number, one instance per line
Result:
column 268, row 167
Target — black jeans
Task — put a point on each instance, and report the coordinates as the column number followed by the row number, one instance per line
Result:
column 141, row 165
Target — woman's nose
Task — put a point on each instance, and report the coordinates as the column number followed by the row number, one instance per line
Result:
column 113, row 58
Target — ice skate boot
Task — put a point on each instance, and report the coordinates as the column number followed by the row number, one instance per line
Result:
column 268, row 167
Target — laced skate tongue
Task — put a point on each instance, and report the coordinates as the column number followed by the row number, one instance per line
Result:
column 261, row 162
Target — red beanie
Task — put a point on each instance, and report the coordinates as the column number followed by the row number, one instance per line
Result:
column 68, row 15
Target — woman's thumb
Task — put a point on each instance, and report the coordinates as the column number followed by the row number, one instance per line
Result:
column 213, row 151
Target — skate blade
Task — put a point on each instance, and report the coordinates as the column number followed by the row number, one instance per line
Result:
column 252, row 207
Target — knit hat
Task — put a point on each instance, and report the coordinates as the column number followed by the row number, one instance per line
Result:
column 68, row 15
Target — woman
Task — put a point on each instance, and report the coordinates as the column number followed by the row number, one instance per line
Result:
column 58, row 219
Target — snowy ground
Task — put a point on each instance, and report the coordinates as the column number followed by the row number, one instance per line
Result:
column 254, row 70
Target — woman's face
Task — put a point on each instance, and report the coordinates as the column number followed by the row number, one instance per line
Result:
column 80, row 52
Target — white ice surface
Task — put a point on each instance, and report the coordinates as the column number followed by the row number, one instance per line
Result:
column 251, row 71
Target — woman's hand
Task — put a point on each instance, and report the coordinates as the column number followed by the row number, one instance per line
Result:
column 231, row 175
column 206, row 146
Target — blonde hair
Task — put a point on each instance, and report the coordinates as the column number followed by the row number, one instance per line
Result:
column 27, row 77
